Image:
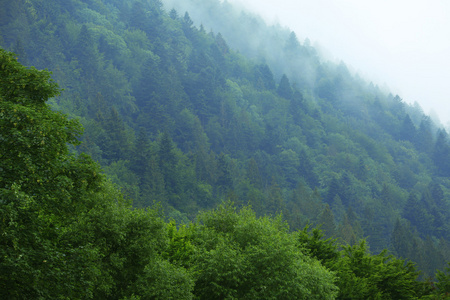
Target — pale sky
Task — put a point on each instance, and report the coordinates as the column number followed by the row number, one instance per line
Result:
column 403, row 44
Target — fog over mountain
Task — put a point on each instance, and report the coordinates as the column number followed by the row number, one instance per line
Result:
column 192, row 150
column 403, row 45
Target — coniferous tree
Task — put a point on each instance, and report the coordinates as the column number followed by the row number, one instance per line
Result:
column 167, row 162
column 275, row 202
column 118, row 145
column 188, row 29
column 346, row 233
column 441, row 153
column 86, row 52
column 153, row 186
column 326, row 222
column 178, row 74
column 141, row 155
column 173, row 14
column 292, row 47
column 361, row 172
column 407, row 130
column 398, row 107
column 284, row 88
column 253, row 174
column 347, row 190
column 354, row 222
column 338, row 209
column 222, row 44
column 437, row 194
column 264, row 74
column 224, row 179
column 416, row 212
column 296, row 106
column 334, row 189
column 20, row 51
column 443, row 281
column 306, row 169
column 401, row 240
column 424, row 137
column 67, row 228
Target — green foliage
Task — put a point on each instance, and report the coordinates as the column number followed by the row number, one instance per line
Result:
column 443, row 282
column 252, row 258
column 19, row 84
column 284, row 88
column 361, row 275
column 326, row 222
column 42, row 186
column 187, row 118
column 378, row 276
column 325, row 250
column 66, row 232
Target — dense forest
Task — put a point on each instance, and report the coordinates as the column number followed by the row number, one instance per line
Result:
column 175, row 157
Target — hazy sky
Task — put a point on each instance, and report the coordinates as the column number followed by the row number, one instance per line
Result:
column 403, row 44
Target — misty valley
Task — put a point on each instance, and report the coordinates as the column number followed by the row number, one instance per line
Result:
column 185, row 149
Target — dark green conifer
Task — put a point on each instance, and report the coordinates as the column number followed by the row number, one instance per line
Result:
column 284, row 88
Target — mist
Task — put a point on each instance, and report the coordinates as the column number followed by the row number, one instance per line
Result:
column 401, row 45
column 250, row 35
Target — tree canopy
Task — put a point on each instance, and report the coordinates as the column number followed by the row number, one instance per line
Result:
column 188, row 115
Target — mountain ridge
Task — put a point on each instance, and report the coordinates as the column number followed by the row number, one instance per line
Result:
column 176, row 115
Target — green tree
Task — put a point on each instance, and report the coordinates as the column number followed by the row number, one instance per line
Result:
column 265, row 76
column 289, row 163
column 381, row 276
column 222, row 44
column 416, row 212
column 325, row 250
column 334, row 189
column 297, row 106
column 66, row 232
column 361, row 275
column 242, row 256
column 41, row 186
column 337, row 208
column 326, row 222
column 275, row 202
column 309, row 203
column 441, row 153
column 191, row 137
column 20, row 51
column 253, row 174
column 401, row 240
column 86, row 52
column 284, row 88
column 117, row 141
column 173, row 14
column 141, row 154
column 306, row 169
column 224, row 180
column 443, row 282
column 346, row 233
column 407, row 130
column 167, row 161
column 153, row 187
column 292, row 47
column 424, row 139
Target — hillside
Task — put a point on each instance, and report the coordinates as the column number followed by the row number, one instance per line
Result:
column 186, row 116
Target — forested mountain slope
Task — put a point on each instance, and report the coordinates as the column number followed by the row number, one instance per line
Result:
column 177, row 115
